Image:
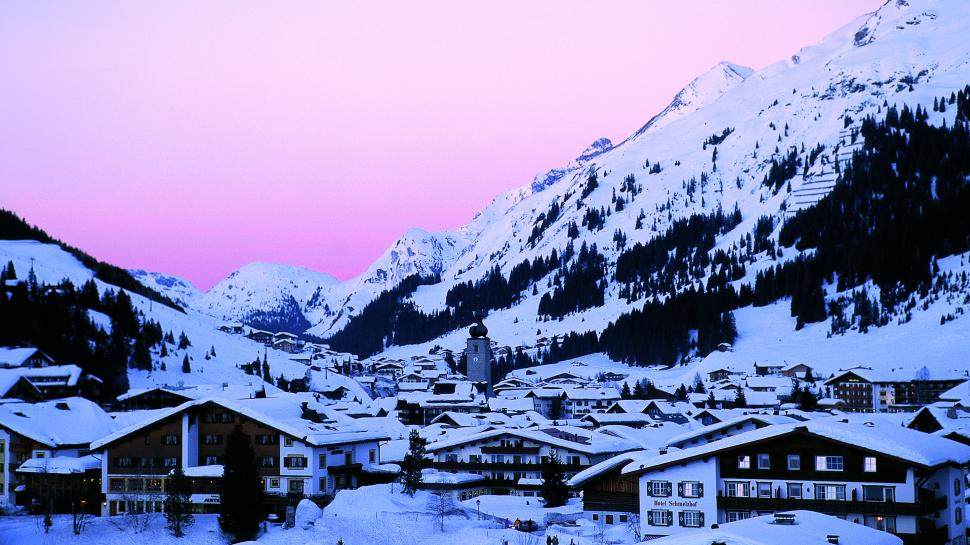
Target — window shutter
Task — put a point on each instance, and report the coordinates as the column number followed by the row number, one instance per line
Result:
column 650, row 518
column 680, row 518
column 701, row 515
column 667, row 489
column 700, row 490
column 680, row 489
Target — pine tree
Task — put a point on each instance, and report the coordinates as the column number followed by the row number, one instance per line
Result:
column 178, row 503
column 267, row 376
column 554, row 489
column 625, row 392
column 740, row 400
column 184, row 341
column 240, row 494
column 413, row 463
column 186, row 368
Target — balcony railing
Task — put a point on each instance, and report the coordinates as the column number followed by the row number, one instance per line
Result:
column 510, row 450
column 503, row 466
column 832, row 506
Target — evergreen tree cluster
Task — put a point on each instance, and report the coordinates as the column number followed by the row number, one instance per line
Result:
column 580, row 286
column 55, row 319
column 13, row 227
column 715, row 139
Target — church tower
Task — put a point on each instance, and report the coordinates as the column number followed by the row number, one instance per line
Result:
column 478, row 356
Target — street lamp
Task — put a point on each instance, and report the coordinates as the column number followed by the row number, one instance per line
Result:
column 478, row 507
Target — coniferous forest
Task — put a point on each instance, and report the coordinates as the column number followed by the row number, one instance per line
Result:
column 900, row 204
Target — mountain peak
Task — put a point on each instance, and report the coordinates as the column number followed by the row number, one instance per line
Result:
column 701, row 91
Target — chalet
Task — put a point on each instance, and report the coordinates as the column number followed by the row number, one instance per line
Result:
column 233, row 328
column 721, row 373
column 420, row 408
column 612, row 376
column 260, row 336
column 11, row 357
column 668, row 411
column 800, row 371
column 950, row 422
column 570, row 402
column 52, row 382
column 628, row 406
column 391, row 370
column 780, row 385
column 633, row 420
column 763, row 369
column 868, row 390
column 287, row 344
column 510, row 460
column 885, row 477
column 726, row 428
column 297, row 456
column 45, row 446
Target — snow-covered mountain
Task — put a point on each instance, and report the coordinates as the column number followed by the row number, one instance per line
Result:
column 177, row 289
column 710, row 149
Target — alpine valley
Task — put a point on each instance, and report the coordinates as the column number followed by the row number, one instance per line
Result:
column 812, row 211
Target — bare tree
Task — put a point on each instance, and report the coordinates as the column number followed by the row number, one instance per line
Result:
column 440, row 505
column 635, row 529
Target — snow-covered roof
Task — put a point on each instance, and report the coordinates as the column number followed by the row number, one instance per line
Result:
column 756, row 419
column 61, row 465
column 211, row 471
column 63, row 422
column 53, row 375
column 570, row 437
column 16, row 356
column 808, row 528
column 895, row 441
column 433, row 476
column 283, row 413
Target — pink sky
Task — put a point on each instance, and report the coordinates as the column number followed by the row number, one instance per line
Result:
column 194, row 137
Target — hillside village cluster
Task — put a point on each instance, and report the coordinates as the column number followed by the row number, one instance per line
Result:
column 741, row 450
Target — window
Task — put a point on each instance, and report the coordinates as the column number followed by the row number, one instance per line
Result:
column 116, row 485
column 123, row 461
column 609, row 519
column 296, row 486
column 737, row 489
column 170, row 439
column 734, row 516
column 274, row 483
column 744, row 462
column 830, row 492
column 626, row 518
column 795, row 491
column 323, row 485
column 267, row 439
column 596, row 516
column 958, row 515
column 828, row 463
column 288, row 441
column 170, row 462
column 880, row 522
column 691, row 519
column 153, row 485
column 956, row 487
column 764, row 490
column 658, row 488
column 212, row 439
column 691, row 489
column 294, row 462
column 136, row 485
column 211, row 460
column 869, row 464
column 764, row 461
column 878, row 493
column 372, row 456
column 323, row 461
column 794, row 462
column 660, row 517
column 267, row 461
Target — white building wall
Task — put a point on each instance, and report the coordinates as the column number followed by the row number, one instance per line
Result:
column 703, row 471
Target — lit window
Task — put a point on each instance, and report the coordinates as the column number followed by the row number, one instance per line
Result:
column 691, row 489
column 869, row 464
column 828, row 463
column 659, row 517
column 744, row 462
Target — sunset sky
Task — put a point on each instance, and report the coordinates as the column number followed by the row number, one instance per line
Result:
column 194, row 137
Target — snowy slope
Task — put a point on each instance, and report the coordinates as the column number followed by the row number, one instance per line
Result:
column 906, row 52
column 51, row 264
column 177, row 289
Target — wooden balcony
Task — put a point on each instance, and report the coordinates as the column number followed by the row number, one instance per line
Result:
column 500, row 466
column 510, row 450
column 833, row 506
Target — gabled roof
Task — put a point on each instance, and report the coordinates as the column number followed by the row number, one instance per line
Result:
column 15, row 357
column 759, row 420
column 64, row 422
column 904, row 444
column 569, row 437
column 283, row 414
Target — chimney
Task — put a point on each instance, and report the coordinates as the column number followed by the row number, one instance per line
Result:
column 833, row 539
column 785, row 518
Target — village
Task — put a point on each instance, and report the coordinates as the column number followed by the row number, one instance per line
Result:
column 642, row 460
